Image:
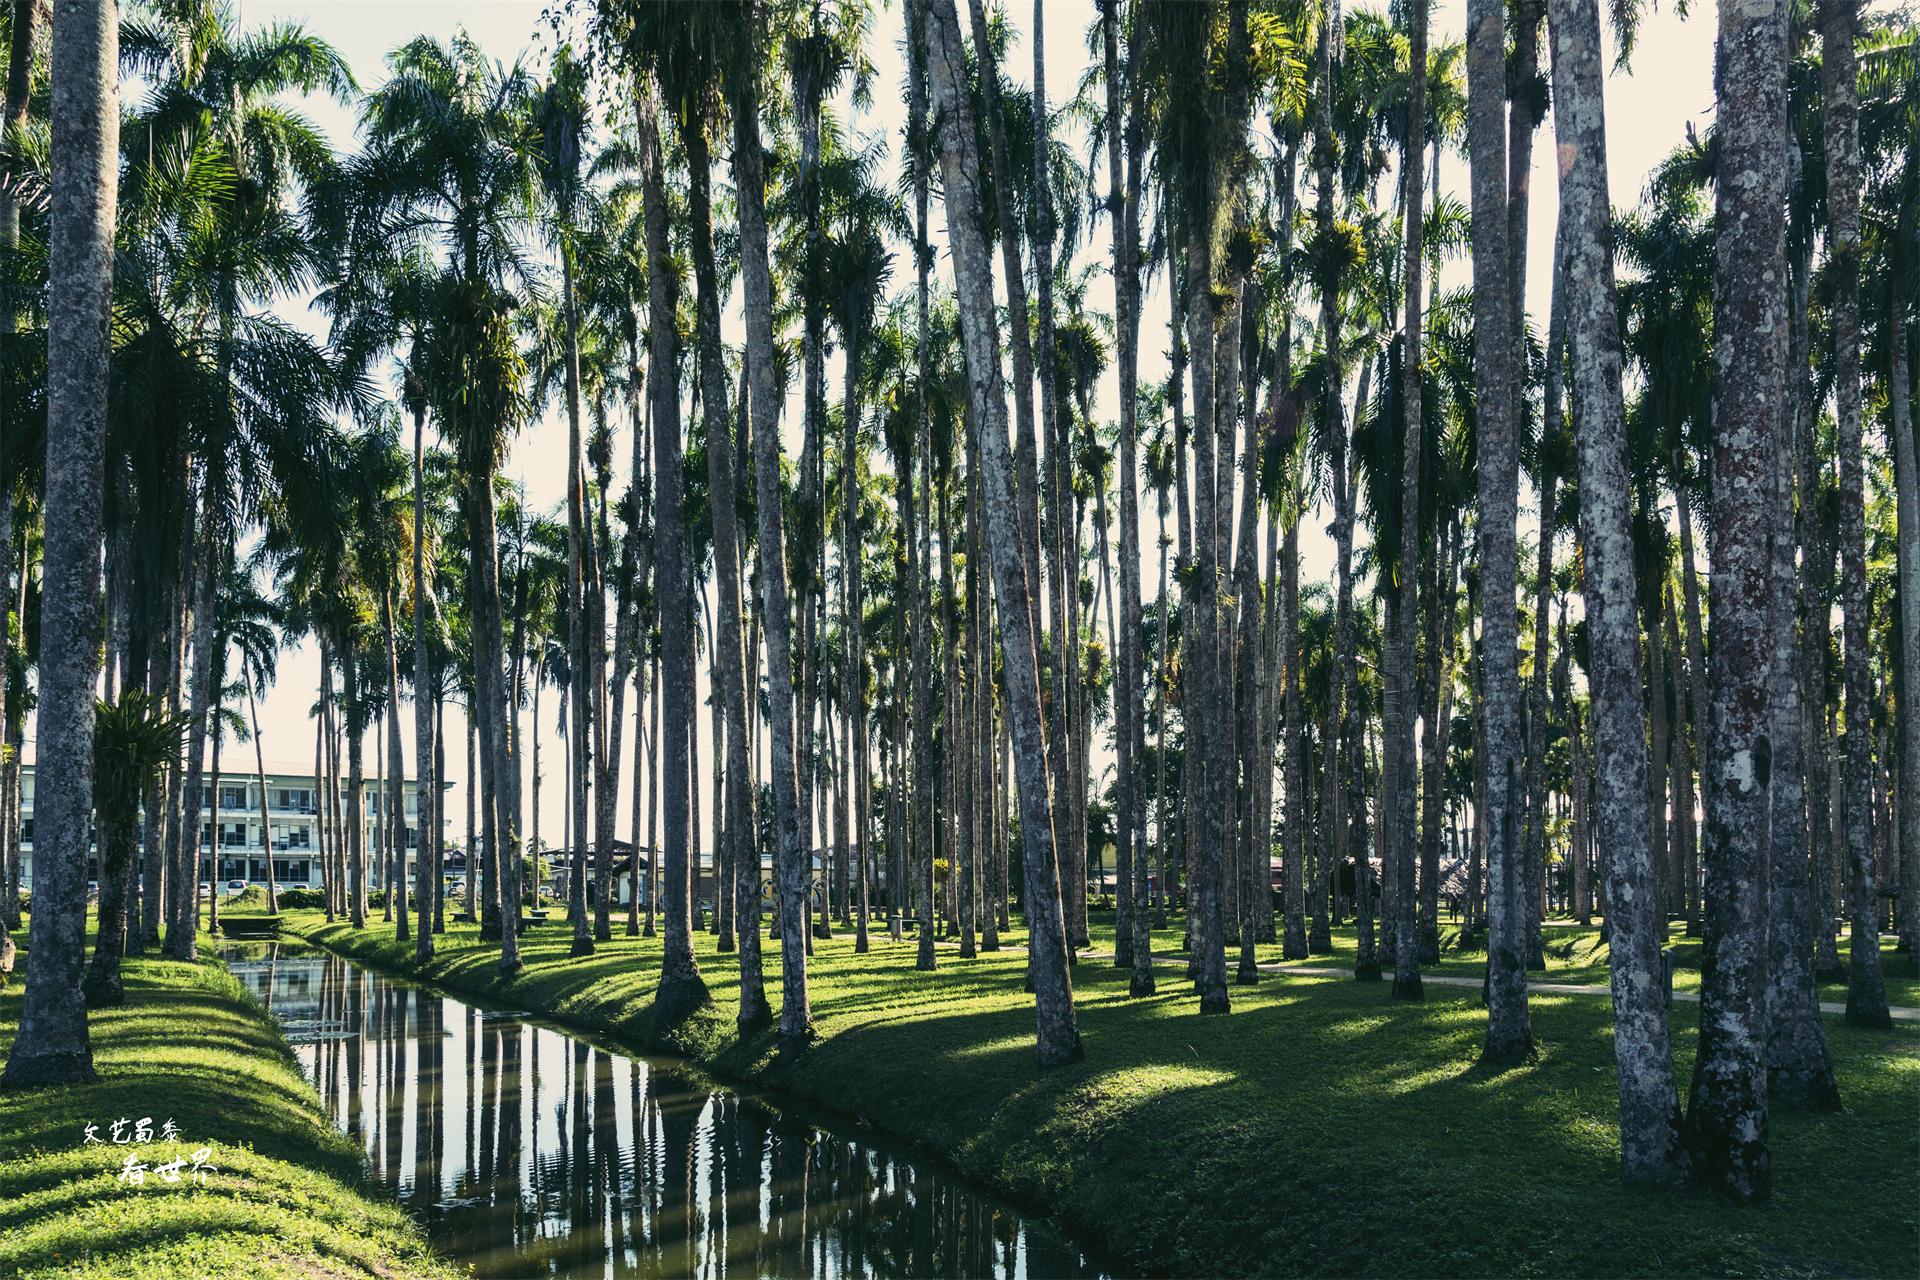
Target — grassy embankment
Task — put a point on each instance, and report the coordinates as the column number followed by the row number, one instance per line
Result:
column 289, row 1198
column 1319, row 1129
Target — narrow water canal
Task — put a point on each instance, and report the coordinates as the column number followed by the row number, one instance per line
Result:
column 528, row 1152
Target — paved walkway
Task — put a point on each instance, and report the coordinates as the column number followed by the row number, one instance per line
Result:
column 1899, row 1012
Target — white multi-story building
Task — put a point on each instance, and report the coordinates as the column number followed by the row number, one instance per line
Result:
column 232, row 830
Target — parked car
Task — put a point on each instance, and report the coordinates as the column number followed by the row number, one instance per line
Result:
column 236, row 886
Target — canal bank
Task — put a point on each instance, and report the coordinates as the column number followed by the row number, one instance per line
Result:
column 109, row 1179
column 523, row 1148
column 1270, row 1140
column 1266, row 1142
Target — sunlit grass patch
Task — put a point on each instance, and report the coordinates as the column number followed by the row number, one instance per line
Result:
column 1319, row 1128
column 287, row 1197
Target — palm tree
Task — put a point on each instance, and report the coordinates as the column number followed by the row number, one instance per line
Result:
column 681, row 990
column 236, row 245
column 250, row 621
column 1726, row 1124
column 450, row 155
column 1015, row 567
column 24, row 19
column 792, row 850
column 1133, row 935
column 688, row 82
column 134, row 738
column 561, row 120
column 859, row 263
column 1399, row 728
column 1799, row 1068
column 51, row 1046
column 1840, row 95
column 1509, row 1035
column 426, row 746
column 1643, row 1055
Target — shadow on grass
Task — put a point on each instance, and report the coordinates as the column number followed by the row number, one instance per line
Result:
column 1319, row 1128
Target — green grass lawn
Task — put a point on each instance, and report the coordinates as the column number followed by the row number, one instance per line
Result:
column 1319, row 1129
column 1574, row 953
column 289, row 1198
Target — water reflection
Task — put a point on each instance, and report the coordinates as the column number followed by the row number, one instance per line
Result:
column 527, row 1152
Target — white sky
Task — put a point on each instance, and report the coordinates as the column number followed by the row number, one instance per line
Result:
column 1649, row 108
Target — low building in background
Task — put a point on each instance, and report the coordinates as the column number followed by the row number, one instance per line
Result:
column 232, row 844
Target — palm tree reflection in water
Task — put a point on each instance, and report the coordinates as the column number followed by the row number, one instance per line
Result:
column 525, row 1151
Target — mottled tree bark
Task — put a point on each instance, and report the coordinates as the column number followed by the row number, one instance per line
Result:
column 1294, row 944
column 1402, row 833
column 1013, row 570
column 1840, row 96
column 51, row 1046
column 792, row 857
column 1907, row 497
column 1642, row 1050
column 1509, row 1035
column 727, row 654
column 1799, row 1072
column 1726, row 1126
column 1133, row 937
column 682, row 990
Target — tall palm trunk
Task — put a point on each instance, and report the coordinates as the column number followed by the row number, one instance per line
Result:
column 1535, row 831
column 356, row 833
column 260, row 776
column 1580, row 855
column 436, row 826
column 1839, row 84
column 1726, row 1126
column 682, row 990
column 204, row 574
column 579, row 671
column 1509, row 1035
column 1643, row 1054
column 426, row 782
column 791, row 853
column 503, row 846
column 1332, row 790
column 912, row 597
column 730, row 686
column 1025, row 447
column 1133, row 938
column 852, row 615
column 1437, row 711
column 1665, row 883
column 323, row 830
column 26, row 14
column 1548, row 477
column 473, row 792
column 1696, row 691
column 609, row 694
column 853, row 687
column 1907, row 498
column 179, row 625
column 1402, row 834
column 1294, row 936
column 1014, row 569
column 1799, row 1071
column 1062, row 579
column 394, row 797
